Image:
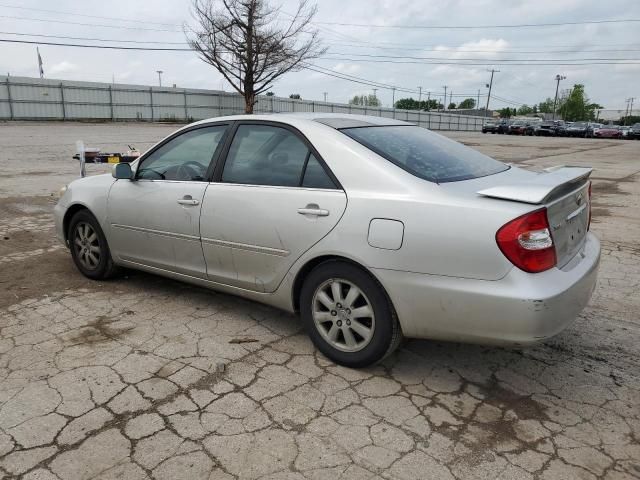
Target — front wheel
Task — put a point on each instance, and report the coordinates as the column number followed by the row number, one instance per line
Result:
column 89, row 247
column 347, row 315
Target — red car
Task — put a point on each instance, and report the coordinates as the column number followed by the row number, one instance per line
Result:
column 607, row 131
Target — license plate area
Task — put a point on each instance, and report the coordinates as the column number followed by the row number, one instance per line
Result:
column 569, row 219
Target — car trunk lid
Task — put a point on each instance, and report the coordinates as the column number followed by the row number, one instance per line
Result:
column 564, row 193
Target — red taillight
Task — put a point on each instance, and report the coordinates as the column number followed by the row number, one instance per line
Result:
column 527, row 243
column 589, row 224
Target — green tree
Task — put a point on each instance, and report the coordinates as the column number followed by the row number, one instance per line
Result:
column 365, row 100
column 295, row 96
column 412, row 104
column 452, row 106
column 577, row 105
column 525, row 110
column 269, row 94
column 505, row 112
column 546, row 106
column 467, row 103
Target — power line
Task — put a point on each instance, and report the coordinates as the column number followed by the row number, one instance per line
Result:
column 89, row 24
column 110, row 47
column 454, row 49
column 472, row 27
column 477, row 59
column 116, row 40
column 442, row 61
column 85, row 16
column 485, row 63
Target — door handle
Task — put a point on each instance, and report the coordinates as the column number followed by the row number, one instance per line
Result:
column 313, row 209
column 188, row 200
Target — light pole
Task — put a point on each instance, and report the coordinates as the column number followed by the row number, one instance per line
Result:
column 486, row 109
column 325, row 97
column 393, row 97
column 419, row 95
column 555, row 100
column 160, row 72
column 444, row 102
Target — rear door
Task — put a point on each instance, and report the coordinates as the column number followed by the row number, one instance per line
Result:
column 274, row 198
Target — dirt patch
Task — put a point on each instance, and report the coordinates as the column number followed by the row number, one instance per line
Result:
column 98, row 331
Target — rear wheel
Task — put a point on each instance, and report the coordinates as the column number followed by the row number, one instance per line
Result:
column 89, row 248
column 347, row 315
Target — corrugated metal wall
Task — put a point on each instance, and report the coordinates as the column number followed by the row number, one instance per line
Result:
column 25, row 98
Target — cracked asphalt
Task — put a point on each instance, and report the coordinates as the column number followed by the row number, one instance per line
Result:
column 142, row 377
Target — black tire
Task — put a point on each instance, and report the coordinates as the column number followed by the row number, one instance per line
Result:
column 386, row 335
column 104, row 267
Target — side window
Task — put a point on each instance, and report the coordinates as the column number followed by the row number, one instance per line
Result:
column 315, row 176
column 186, row 157
column 265, row 155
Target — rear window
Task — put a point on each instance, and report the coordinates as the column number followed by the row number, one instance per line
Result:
column 425, row 154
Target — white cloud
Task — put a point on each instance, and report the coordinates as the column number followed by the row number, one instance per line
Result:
column 62, row 68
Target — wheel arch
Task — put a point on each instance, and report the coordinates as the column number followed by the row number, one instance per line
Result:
column 68, row 215
column 311, row 264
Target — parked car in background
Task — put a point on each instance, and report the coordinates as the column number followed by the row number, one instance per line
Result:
column 370, row 228
column 519, row 127
column 560, row 128
column 503, row 126
column 545, row 129
column 634, row 132
column 592, row 129
column 607, row 131
column 577, row 129
column 624, row 131
column 490, row 126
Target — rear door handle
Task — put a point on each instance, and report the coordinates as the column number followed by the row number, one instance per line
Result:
column 188, row 200
column 313, row 209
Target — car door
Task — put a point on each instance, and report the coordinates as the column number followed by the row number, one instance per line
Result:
column 274, row 198
column 154, row 219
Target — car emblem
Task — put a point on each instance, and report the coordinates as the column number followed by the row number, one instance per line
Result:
column 579, row 199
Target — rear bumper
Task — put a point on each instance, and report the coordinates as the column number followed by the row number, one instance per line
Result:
column 519, row 309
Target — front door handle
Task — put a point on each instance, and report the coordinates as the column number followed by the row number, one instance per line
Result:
column 313, row 209
column 188, row 200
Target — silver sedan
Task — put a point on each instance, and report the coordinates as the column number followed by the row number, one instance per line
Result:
column 370, row 228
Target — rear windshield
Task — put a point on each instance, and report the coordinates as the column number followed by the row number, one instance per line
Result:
column 426, row 154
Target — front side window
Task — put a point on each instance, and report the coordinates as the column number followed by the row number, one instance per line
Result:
column 268, row 155
column 186, row 157
column 426, row 154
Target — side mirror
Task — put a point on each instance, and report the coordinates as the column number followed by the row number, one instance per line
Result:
column 122, row 171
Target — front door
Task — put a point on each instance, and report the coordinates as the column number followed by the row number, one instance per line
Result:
column 154, row 220
column 274, row 200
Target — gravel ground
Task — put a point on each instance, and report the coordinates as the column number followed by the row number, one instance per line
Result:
column 143, row 377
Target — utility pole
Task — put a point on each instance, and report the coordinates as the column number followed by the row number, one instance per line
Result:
column 450, row 97
column 444, row 103
column 555, row 100
column 374, row 93
column 325, row 96
column 631, row 106
column 428, row 100
column 393, row 98
column 478, row 102
column 419, row 95
column 160, row 72
column 486, row 109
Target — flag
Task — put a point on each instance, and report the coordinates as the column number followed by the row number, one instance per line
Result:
column 40, row 63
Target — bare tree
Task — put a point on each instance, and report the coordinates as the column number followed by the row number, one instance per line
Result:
column 249, row 44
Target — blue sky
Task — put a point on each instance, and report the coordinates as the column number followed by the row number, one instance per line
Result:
column 609, row 85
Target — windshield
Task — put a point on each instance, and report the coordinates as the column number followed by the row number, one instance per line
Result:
column 425, row 154
column 579, row 124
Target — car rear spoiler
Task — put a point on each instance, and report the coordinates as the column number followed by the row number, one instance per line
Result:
column 542, row 187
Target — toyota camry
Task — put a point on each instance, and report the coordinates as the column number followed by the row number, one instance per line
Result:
column 369, row 228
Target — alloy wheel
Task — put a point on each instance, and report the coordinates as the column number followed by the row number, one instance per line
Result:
column 87, row 246
column 343, row 315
